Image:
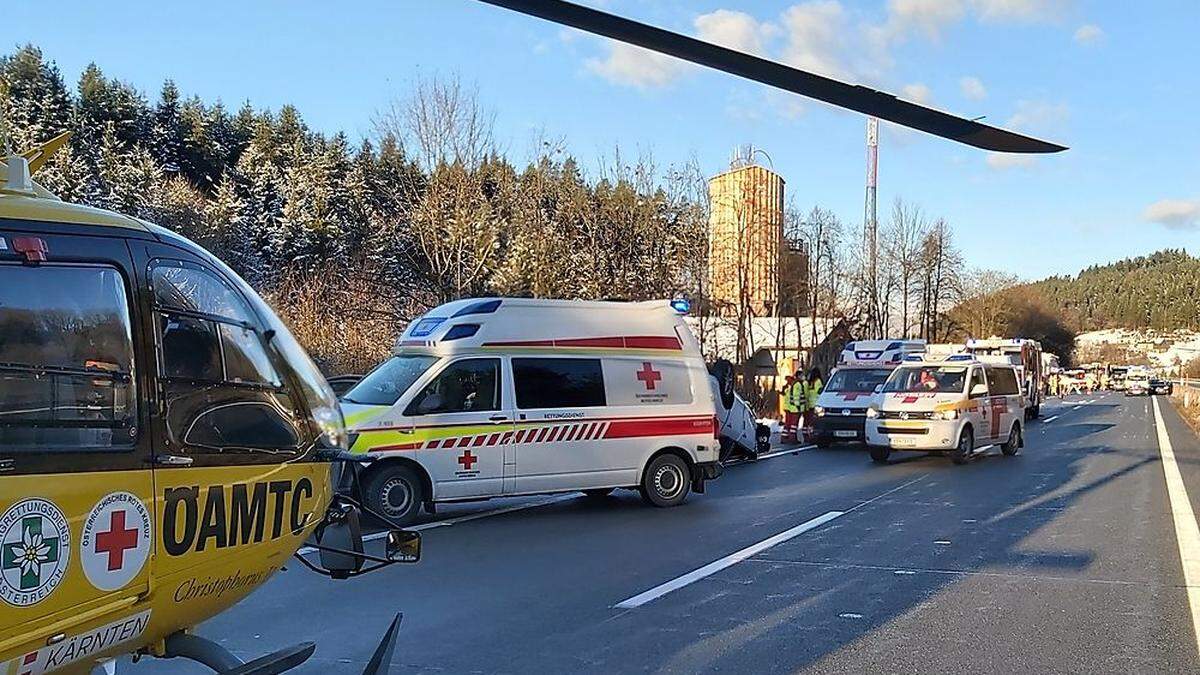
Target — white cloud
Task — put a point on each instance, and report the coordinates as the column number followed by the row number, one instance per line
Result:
column 917, row 93
column 1175, row 214
column 1002, row 161
column 636, row 67
column 972, row 88
column 817, row 33
column 1039, row 116
column 735, row 30
column 1020, row 10
column 929, row 17
column 1089, row 34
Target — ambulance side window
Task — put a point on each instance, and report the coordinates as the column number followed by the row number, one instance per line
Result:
column 470, row 385
column 976, row 379
column 558, row 383
column 1003, row 382
column 66, row 358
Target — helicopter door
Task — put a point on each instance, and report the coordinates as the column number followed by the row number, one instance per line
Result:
column 228, row 425
column 76, row 492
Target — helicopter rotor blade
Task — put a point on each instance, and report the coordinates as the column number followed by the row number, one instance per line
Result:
column 862, row 99
column 381, row 660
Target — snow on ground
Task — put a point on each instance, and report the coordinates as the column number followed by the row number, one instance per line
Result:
column 1165, row 349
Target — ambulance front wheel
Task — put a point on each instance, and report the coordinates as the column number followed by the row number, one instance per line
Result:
column 880, row 453
column 666, row 481
column 396, row 492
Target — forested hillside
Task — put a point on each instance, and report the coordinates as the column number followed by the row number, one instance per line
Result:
column 1160, row 291
column 349, row 241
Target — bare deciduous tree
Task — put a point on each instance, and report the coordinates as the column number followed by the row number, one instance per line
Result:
column 441, row 122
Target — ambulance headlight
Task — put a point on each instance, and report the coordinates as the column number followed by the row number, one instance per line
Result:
column 819, row 411
column 945, row 415
column 872, row 412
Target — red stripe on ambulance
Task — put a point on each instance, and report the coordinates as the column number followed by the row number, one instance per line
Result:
column 664, row 342
column 671, row 426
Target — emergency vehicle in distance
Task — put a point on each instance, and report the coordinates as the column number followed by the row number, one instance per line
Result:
column 1137, row 381
column 955, row 406
column 1026, row 357
column 862, row 368
column 512, row 396
column 165, row 443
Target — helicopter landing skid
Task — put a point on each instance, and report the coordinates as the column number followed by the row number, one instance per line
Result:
column 224, row 662
column 221, row 660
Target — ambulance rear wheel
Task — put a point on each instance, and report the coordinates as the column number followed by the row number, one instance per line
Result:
column 666, row 481
column 396, row 493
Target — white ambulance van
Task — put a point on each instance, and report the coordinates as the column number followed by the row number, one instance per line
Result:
column 954, row 406
column 862, row 367
column 511, row 396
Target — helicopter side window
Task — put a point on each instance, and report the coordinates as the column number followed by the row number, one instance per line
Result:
column 224, row 397
column 208, row 332
column 66, row 357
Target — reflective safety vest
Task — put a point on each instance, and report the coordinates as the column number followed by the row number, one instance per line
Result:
column 812, row 391
column 794, row 397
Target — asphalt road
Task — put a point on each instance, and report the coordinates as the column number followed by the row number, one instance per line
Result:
column 1063, row 559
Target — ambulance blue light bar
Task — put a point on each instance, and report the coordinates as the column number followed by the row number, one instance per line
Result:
column 681, row 305
column 426, row 326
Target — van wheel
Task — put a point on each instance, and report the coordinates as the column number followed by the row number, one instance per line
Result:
column 966, row 446
column 1013, row 444
column 598, row 493
column 880, row 453
column 665, row 481
column 395, row 492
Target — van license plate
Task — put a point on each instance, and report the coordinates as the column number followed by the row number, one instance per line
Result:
column 903, row 442
column 849, row 433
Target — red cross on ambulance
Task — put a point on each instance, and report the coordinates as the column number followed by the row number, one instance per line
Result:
column 649, row 376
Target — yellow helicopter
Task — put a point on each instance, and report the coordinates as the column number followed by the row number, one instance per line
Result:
column 165, row 443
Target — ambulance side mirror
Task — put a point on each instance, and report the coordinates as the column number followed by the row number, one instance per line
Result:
column 404, row 546
column 979, row 390
column 879, row 389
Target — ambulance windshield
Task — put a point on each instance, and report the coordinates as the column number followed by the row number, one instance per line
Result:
column 385, row 384
column 857, row 380
column 938, row 379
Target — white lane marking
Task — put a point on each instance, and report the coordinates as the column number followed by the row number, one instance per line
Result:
column 1048, row 420
column 1077, row 407
column 1187, row 532
column 723, row 563
column 463, row 519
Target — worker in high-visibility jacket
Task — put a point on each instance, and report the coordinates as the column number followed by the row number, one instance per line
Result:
column 792, row 396
column 811, row 388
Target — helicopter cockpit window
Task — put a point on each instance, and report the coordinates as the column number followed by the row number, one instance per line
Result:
column 208, row 332
column 66, row 358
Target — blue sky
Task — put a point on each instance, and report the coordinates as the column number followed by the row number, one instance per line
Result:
column 1115, row 81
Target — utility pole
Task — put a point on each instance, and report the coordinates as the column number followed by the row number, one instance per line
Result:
column 871, row 231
